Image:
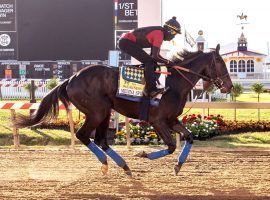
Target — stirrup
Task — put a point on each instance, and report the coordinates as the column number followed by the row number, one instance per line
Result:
column 158, row 91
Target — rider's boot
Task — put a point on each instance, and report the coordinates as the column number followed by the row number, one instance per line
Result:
column 150, row 88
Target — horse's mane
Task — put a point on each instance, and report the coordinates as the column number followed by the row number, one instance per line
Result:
column 186, row 55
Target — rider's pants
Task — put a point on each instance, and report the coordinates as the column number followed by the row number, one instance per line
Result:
column 138, row 53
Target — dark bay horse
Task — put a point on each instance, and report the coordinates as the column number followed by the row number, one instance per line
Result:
column 93, row 92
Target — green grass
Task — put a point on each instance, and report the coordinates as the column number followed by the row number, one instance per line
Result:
column 255, row 139
column 241, row 114
column 34, row 137
column 253, row 97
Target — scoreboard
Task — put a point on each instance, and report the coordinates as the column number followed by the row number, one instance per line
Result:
column 55, row 38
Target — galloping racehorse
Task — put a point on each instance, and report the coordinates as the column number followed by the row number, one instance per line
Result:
column 93, row 91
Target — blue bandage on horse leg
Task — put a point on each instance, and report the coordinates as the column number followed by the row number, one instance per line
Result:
column 158, row 154
column 184, row 154
column 116, row 157
column 98, row 152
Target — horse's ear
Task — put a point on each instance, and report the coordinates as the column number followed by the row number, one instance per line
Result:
column 218, row 48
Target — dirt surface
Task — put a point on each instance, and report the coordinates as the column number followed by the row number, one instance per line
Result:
column 67, row 174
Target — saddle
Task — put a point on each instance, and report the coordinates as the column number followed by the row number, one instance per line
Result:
column 131, row 83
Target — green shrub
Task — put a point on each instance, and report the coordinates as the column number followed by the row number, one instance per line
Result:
column 52, row 83
column 27, row 87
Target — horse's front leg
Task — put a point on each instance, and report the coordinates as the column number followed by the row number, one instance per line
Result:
column 186, row 135
column 164, row 132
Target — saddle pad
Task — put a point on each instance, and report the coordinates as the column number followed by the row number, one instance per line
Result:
column 130, row 81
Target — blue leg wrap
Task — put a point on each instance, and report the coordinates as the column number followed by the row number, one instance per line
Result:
column 116, row 157
column 158, row 154
column 98, row 152
column 184, row 154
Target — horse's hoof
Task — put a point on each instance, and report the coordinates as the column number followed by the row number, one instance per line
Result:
column 177, row 169
column 141, row 154
column 104, row 169
column 128, row 173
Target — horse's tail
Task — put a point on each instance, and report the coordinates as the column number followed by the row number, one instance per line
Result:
column 48, row 108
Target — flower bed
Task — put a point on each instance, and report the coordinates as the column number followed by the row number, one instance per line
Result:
column 210, row 126
column 140, row 133
column 234, row 127
column 203, row 127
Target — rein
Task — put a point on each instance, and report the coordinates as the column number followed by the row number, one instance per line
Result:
column 216, row 81
column 178, row 68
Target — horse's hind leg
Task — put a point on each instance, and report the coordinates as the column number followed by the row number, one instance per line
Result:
column 164, row 132
column 83, row 134
column 101, row 139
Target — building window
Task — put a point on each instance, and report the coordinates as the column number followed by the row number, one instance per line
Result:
column 250, row 66
column 241, row 66
column 233, row 66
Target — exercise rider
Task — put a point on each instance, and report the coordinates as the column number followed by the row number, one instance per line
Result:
column 152, row 37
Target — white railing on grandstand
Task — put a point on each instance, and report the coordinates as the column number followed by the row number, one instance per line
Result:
column 13, row 89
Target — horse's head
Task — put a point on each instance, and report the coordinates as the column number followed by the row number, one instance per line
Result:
column 217, row 73
column 208, row 66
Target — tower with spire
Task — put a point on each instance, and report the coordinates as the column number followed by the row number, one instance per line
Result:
column 242, row 43
column 200, row 41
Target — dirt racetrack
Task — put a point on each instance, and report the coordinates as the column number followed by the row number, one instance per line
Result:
column 66, row 174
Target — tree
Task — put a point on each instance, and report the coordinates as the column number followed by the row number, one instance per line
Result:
column 52, row 84
column 27, row 87
column 257, row 88
column 237, row 90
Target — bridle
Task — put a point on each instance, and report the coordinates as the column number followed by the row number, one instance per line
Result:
column 215, row 76
column 217, row 80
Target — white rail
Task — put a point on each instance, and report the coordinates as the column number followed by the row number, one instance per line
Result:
column 14, row 89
